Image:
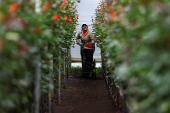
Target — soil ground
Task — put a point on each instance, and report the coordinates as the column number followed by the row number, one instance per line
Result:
column 84, row 95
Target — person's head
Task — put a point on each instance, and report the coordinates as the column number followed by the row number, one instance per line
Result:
column 84, row 27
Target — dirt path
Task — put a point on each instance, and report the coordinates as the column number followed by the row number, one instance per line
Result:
column 86, row 95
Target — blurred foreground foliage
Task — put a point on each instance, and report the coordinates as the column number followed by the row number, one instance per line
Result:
column 134, row 38
column 28, row 38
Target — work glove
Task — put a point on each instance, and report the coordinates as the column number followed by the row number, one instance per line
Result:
column 81, row 44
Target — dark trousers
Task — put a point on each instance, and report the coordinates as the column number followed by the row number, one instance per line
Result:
column 87, row 55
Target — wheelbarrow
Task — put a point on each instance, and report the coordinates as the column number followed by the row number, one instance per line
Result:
column 89, row 68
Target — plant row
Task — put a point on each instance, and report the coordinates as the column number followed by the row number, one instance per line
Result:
column 134, row 39
column 32, row 35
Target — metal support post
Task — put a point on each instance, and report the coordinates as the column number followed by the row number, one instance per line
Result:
column 50, row 89
column 37, row 87
column 59, row 80
column 64, row 72
column 67, row 63
column 38, row 6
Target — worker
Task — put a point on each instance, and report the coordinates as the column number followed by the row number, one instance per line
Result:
column 84, row 38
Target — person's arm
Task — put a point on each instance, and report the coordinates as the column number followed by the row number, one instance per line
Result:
column 92, row 38
column 77, row 39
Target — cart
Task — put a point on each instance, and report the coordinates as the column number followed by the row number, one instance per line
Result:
column 89, row 68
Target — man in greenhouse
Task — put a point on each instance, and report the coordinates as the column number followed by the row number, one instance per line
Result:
column 86, row 41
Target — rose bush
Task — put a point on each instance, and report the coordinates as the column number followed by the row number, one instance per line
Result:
column 134, row 37
column 28, row 38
